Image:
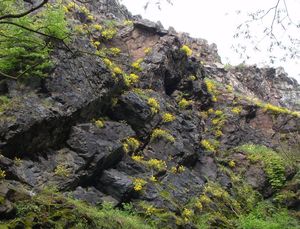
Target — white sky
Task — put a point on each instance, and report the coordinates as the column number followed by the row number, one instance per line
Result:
column 216, row 21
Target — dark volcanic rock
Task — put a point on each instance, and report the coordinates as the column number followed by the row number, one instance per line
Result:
column 49, row 137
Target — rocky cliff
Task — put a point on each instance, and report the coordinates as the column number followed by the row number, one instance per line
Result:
column 141, row 116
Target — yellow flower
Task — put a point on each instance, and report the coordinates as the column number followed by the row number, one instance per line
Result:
column 107, row 62
column 2, row 174
column 99, row 123
column 199, row 205
column 108, row 33
column 147, row 50
column 131, row 79
column 167, row 117
column 97, row 27
column 157, row 164
column 187, row 214
column 62, row 170
column 192, row 78
column 96, row 43
column 237, row 110
column 90, row 17
column 186, row 49
column 154, row 105
column 137, row 158
column 183, row 104
column 137, row 64
column 128, row 22
column 139, row 183
column 208, row 145
column 153, row 178
column 218, row 112
column 117, row 70
column 218, row 133
column 160, row 133
column 174, row 169
column 181, row 169
column 231, row 163
column 131, row 145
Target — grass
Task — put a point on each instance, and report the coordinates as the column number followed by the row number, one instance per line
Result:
column 50, row 209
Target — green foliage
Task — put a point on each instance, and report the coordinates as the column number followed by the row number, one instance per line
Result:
column 274, row 165
column 4, row 103
column 53, row 210
column 2, row 174
column 62, row 171
column 266, row 216
column 24, row 52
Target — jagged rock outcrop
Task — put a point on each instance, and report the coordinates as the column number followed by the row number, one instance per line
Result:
column 158, row 143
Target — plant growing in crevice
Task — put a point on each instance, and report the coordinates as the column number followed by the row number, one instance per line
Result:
column 99, row 123
column 162, row 134
column 186, row 49
column 168, row 117
column 184, row 104
column 154, row 105
column 138, row 183
column 62, row 171
column 131, row 145
column 2, row 174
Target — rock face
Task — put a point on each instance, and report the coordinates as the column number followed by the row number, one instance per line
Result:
column 157, row 142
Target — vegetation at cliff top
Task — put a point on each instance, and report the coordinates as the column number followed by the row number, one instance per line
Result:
column 26, row 42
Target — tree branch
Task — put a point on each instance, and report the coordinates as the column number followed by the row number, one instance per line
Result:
column 38, row 32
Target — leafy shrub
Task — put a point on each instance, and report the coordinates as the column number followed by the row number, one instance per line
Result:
column 26, row 53
column 265, row 216
column 50, row 209
column 274, row 165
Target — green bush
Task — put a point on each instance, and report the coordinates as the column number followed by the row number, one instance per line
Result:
column 24, row 52
column 274, row 165
column 50, row 209
column 266, row 216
